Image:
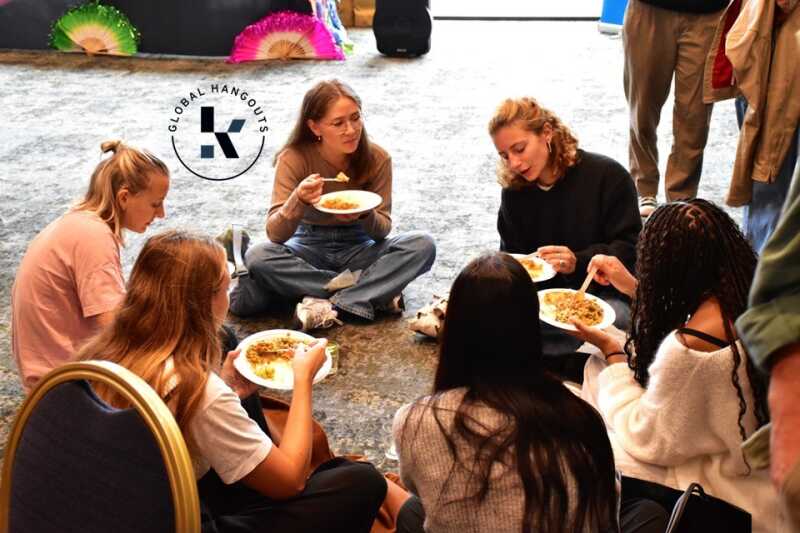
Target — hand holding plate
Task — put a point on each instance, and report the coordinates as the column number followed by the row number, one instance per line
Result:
column 560, row 258
column 603, row 340
column 240, row 385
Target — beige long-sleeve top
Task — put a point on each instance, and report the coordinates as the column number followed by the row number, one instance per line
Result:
column 286, row 211
column 428, row 470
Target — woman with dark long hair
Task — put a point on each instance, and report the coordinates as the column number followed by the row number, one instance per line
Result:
column 501, row 445
column 310, row 248
column 681, row 395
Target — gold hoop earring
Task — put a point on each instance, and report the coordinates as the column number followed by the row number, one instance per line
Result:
column 319, row 138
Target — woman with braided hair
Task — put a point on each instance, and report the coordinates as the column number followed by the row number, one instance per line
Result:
column 680, row 395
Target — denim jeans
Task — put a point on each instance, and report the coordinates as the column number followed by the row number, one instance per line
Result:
column 314, row 255
column 762, row 213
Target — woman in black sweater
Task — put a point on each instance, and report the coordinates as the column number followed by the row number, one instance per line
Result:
column 562, row 202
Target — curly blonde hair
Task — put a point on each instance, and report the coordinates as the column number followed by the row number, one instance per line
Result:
column 532, row 117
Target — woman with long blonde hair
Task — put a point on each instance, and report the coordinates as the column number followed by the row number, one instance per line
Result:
column 70, row 278
column 561, row 202
column 166, row 331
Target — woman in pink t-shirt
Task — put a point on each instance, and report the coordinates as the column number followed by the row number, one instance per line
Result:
column 70, row 278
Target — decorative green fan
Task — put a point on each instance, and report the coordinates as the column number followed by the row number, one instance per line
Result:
column 95, row 28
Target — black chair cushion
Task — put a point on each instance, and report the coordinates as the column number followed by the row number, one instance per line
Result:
column 85, row 467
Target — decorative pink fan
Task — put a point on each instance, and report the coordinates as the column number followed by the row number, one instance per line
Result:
column 285, row 35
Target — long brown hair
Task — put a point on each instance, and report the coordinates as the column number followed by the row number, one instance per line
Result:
column 687, row 253
column 128, row 168
column 527, row 113
column 316, row 104
column 491, row 345
column 167, row 313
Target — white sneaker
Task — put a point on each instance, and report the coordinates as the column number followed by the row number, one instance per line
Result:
column 315, row 313
column 647, row 204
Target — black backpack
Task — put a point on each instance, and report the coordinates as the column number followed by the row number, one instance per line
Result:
column 403, row 27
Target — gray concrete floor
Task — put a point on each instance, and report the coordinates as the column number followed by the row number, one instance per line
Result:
column 429, row 113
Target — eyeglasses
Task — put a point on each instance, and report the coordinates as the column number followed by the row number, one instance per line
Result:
column 340, row 124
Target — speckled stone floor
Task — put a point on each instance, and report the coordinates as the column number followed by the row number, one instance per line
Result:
column 429, row 113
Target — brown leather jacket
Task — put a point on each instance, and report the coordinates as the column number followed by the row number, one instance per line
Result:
column 755, row 54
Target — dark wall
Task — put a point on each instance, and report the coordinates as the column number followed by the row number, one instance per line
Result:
column 191, row 27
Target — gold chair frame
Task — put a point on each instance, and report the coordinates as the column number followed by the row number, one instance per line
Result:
column 156, row 415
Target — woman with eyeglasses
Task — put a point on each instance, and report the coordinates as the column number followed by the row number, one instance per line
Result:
column 564, row 203
column 308, row 248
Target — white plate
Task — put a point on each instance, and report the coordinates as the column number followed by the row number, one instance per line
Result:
column 367, row 201
column 548, row 272
column 608, row 312
column 285, row 379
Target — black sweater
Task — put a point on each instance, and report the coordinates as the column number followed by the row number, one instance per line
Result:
column 690, row 6
column 591, row 210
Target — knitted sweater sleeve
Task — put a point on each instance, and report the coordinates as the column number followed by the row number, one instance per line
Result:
column 669, row 422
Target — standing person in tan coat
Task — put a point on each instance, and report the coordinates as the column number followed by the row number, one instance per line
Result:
column 755, row 55
column 663, row 39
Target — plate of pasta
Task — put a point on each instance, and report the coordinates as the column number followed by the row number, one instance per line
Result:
column 348, row 202
column 558, row 306
column 537, row 268
column 266, row 358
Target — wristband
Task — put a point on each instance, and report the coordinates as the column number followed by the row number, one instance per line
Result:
column 613, row 354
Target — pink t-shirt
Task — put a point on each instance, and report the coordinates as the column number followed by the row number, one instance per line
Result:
column 70, row 273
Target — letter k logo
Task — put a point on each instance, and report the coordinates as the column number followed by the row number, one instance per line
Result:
column 224, row 140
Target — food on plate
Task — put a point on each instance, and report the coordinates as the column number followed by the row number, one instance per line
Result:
column 534, row 268
column 565, row 305
column 267, row 355
column 341, row 176
column 339, row 203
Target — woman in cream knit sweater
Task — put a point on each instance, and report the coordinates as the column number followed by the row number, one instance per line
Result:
column 681, row 395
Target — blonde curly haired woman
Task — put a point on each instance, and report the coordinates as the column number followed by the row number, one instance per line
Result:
column 70, row 278
column 562, row 202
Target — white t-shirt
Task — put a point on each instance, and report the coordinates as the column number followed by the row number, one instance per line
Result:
column 222, row 436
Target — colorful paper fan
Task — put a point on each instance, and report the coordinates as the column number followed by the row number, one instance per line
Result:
column 285, row 35
column 95, row 28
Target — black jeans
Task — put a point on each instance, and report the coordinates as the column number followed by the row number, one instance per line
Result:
column 637, row 515
column 340, row 496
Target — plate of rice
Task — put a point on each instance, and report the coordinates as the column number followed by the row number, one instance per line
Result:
column 537, row 268
column 266, row 358
column 558, row 306
column 348, row 202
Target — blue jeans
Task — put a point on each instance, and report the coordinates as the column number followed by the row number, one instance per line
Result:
column 762, row 213
column 314, row 255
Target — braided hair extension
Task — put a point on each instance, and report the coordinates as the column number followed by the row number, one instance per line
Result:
column 687, row 253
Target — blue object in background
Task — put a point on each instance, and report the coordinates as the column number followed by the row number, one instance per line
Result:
column 612, row 16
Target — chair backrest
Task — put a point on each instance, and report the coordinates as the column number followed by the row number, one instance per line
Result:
column 75, row 464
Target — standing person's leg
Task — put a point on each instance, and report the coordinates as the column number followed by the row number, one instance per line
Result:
column 762, row 213
column 649, row 37
column 388, row 266
column 690, row 116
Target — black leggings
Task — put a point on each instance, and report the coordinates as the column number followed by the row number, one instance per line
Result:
column 339, row 496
